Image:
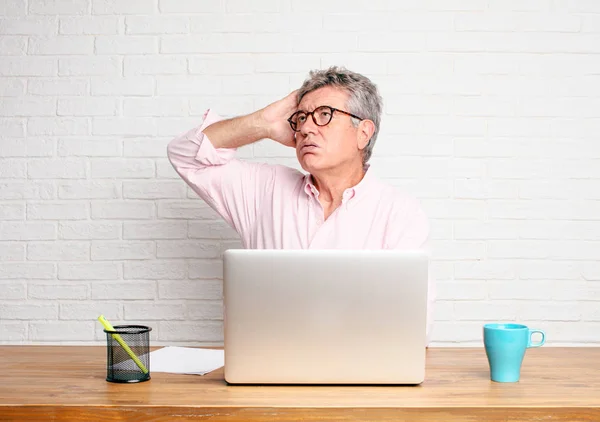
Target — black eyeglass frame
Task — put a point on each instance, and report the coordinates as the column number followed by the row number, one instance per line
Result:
column 294, row 125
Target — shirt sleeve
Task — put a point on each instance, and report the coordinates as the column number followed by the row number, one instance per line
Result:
column 414, row 233
column 235, row 189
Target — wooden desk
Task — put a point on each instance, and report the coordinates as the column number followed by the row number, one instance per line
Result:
column 68, row 383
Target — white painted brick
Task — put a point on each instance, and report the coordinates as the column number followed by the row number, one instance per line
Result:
column 57, row 126
column 50, row 168
column 591, row 271
column 184, row 6
column 234, row 43
column 453, row 209
column 486, row 311
column 186, row 249
column 145, row 147
column 159, row 107
column 89, row 25
column 130, row 44
column 205, row 269
column 90, row 311
column 240, row 106
column 12, row 251
column 89, row 271
column 122, row 210
column 570, row 290
column 211, row 230
column 13, row 169
column 57, row 211
column 58, row 251
column 171, row 126
column 29, row 26
column 443, row 311
column 57, row 291
column 433, row 188
column 13, row 332
column 464, row 230
column 577, row 230
column 122, row 168
column 28, row 66
column 485, row 189
column 117, row 7
column 13, row 8
column 164, row 170
column 590, row 312
column 87, row 107
column 51, row 86
column 121, row 250
column 155, row 65
column 124, row 126
column 13, row 290
column 89, row 147
column 27, row 231
column 88, row 190
column 27, row 271
column 27, row 190
column 59, row 7
column 486, row 270
column 12, row 45
column 157, row 25
column 192, row 210
column 519, row 6
column 155, row 230
column 29, row 311
column 89, row 66
column 155, row 270
column 541, row 311
column 124, row 289
column 486, row 21
column 101, row 230
column 60, row 331
column 149, row 311
column 12, row 87
column 226, row 64
column 12, row 127
column 187, row 85
column 188, row 289
column 28, row 106
column 153, row 190
column 455, row 250
column 204, row 331
column 204, row 310
column 517, row 290
column 65, row 45
column 270, row 84
column 135, row 86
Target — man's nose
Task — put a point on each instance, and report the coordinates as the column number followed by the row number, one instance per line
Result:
column 309, row 126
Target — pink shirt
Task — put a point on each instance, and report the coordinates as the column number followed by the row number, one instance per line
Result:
column 277, row 207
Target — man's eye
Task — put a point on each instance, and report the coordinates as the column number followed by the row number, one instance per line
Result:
column 302, row 118
column 325, row 113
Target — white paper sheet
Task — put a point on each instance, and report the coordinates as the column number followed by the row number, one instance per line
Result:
column 186, row 360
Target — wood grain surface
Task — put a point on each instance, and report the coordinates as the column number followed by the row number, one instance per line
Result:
column 68, row 383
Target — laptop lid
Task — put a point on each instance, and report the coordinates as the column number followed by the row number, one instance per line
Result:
column 325, row 316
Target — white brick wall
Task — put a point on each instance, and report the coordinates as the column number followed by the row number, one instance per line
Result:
column 492, row 115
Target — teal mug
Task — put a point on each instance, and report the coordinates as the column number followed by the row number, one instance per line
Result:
column 505, row 346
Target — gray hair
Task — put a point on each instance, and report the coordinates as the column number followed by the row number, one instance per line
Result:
column 364, row 100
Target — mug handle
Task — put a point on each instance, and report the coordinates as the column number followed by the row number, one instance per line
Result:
column 540, row 343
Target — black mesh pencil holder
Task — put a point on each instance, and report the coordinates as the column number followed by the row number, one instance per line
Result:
column 128, row 353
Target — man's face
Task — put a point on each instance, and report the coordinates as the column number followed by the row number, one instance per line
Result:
column 321, row 148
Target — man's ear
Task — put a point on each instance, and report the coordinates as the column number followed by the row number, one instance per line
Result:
column 366, row 129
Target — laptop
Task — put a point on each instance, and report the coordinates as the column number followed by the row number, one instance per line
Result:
column 325, row 316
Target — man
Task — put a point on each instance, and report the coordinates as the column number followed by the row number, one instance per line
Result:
column 332, row 121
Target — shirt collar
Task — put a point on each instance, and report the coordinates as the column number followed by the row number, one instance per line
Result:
column 348, row 194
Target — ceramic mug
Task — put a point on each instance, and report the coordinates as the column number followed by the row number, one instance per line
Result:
column 505, row 346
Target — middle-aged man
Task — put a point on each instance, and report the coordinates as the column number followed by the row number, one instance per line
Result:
column 332, row 121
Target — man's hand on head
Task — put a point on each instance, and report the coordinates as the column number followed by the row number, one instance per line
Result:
column 274, row 117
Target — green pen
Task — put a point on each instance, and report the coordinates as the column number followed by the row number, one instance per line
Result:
column 124, row 345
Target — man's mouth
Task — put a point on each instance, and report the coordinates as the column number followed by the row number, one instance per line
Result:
column 309, row 145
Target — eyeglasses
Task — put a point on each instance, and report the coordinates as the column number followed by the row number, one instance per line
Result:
column 321, row 116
